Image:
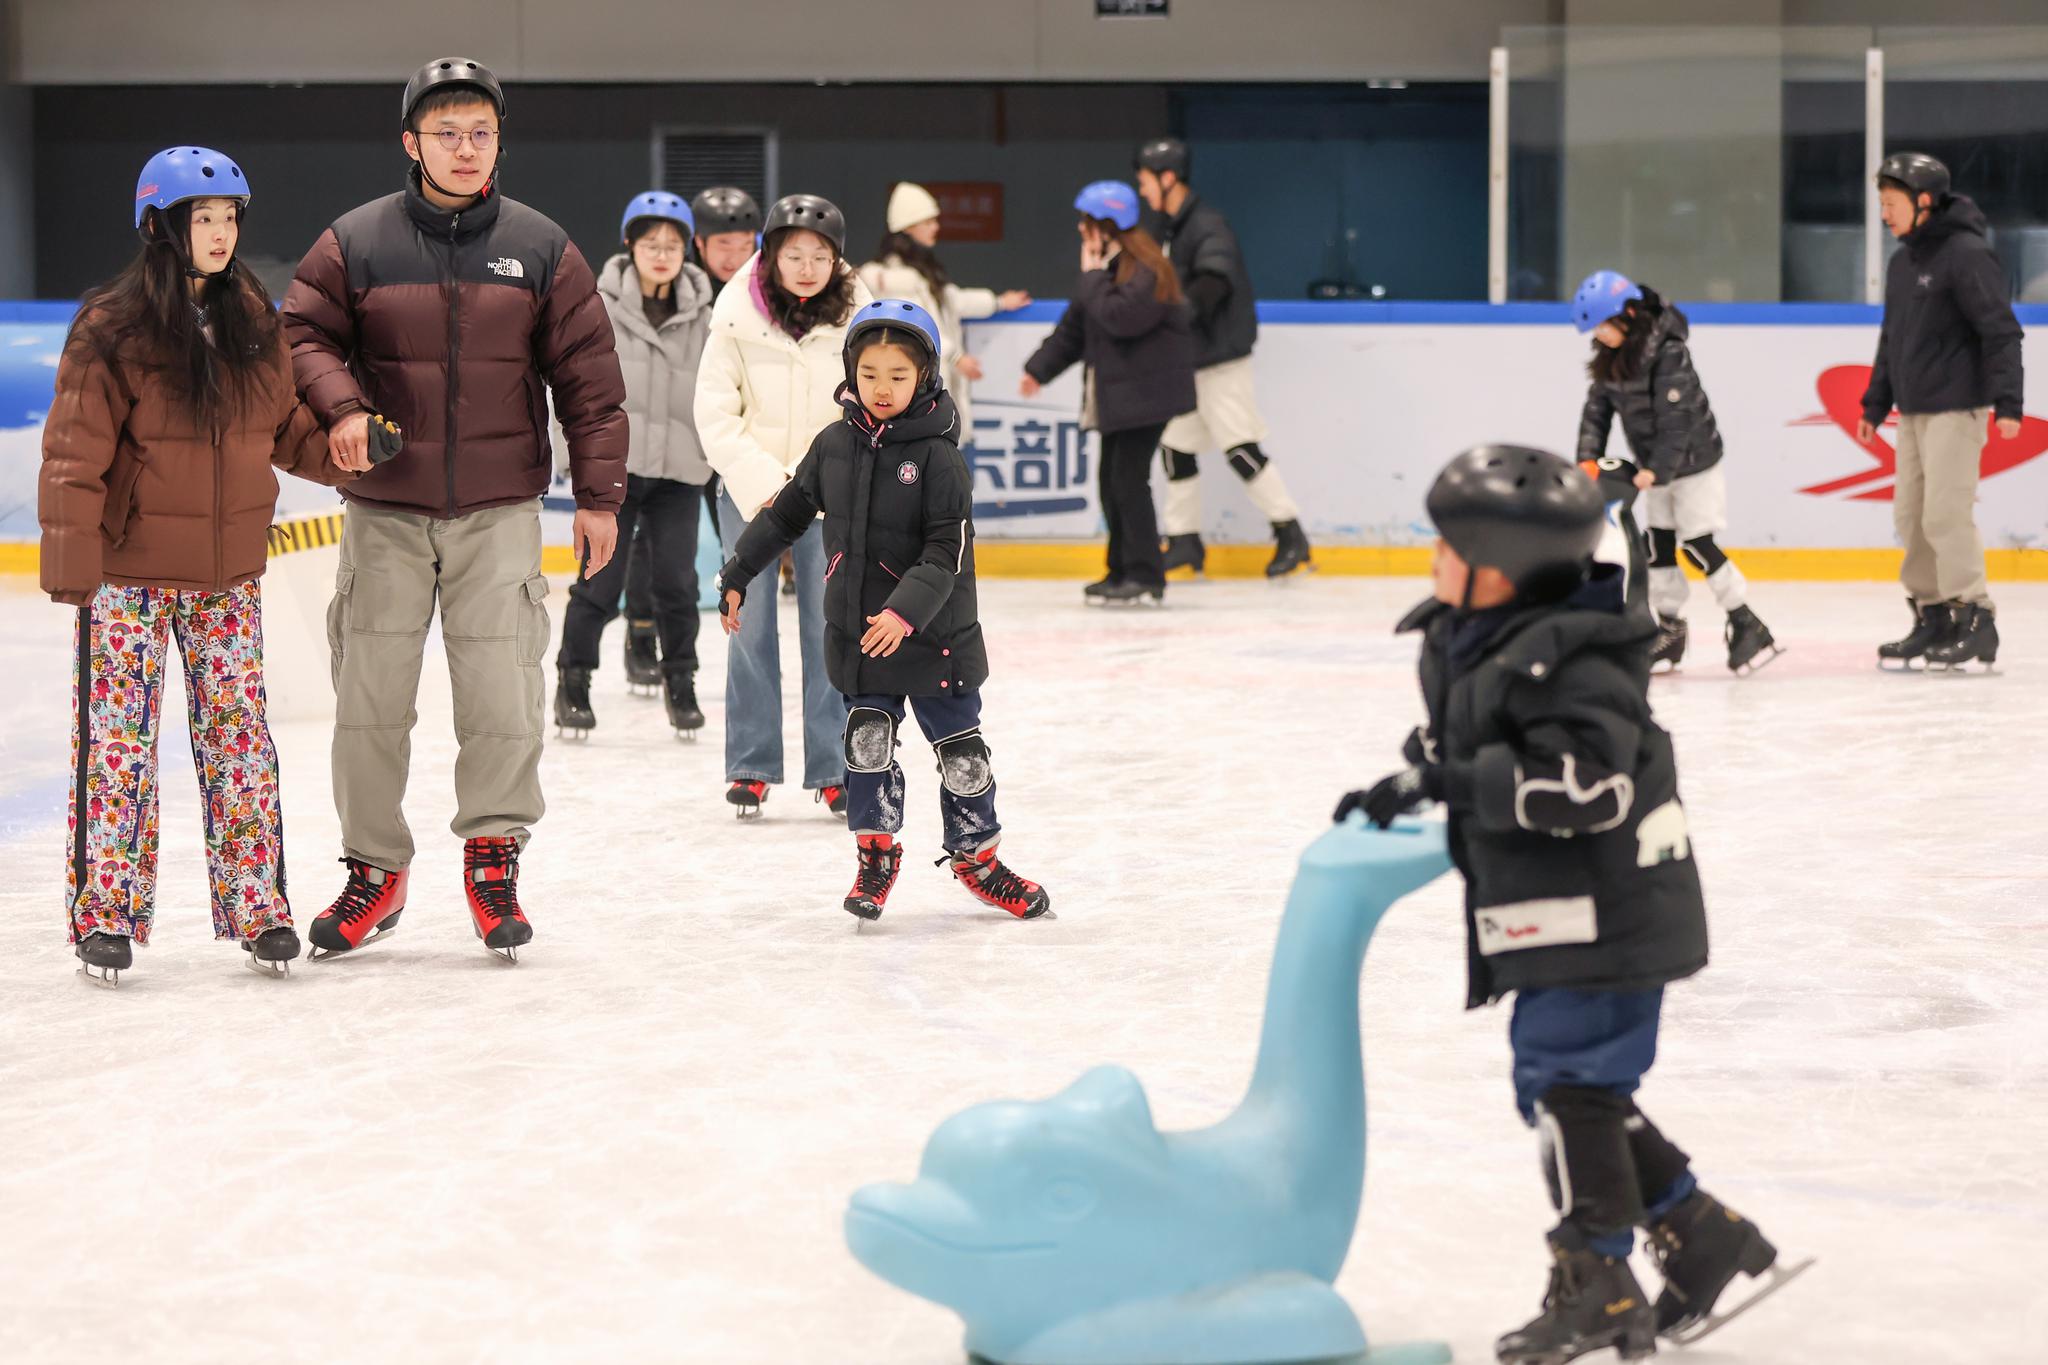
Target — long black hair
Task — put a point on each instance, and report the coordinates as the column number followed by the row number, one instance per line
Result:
column 1619, row 364
column 918, row 257
column 829, row 307
column 146, row 321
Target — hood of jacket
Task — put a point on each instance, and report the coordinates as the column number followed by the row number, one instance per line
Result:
column 931, row 414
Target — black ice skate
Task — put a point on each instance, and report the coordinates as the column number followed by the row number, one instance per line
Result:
column 1975, row 640
column 1290, row 549
column 643, row 664
column 1093, row 591
column 1700, row 1247
column 1185, row 552
column 1668, row 648
column 1750, row 644
column 271, row 952
column 679, row 694
column 573, row 717
column 1931, row 626
column 1127, row 593
column 1593, row 1302
column 103, row 957
column 746, row 797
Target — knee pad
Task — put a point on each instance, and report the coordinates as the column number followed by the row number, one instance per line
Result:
column 1587, row 1158
column 964, row 765
column 1248, row 460
column 1663, row 548
column 1179, row 464
column 1704, row 552
column 870, row 740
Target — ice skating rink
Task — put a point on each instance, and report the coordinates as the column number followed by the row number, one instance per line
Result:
column 636, row 1145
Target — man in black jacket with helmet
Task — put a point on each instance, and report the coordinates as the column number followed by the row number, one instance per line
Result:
column 1205, row 254
column 1948, row 357
column 1582, row 898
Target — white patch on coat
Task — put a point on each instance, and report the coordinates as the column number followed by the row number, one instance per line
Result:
column 1535, row 924
column 1663, row 836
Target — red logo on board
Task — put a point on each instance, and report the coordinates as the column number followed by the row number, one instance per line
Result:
column 1841, row 398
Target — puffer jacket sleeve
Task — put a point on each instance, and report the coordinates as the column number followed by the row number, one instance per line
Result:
column 1596, row 420
column 948, row 505
column 752, row 476
column 780, row 525
column 1062, row 348
column 80, row 437
column 1571, row 767
column 1127, row 310
column 971, row 303
column 300, row 443
column 580, row 362
column 1676, row 400
column 320, row 324
column 1981, row 294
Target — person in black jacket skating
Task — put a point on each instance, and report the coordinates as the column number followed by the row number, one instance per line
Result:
column 1205, row 254
column 1581, row 894
column 900, row 612
column 1128, row 324
column 1642, row 371
column 1948, row 357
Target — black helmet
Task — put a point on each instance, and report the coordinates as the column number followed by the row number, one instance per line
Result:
column 811, row 212
column 1163, row 154
column 446, row 71
column 1918, row 172
column 725, row 208
column 1532, row 515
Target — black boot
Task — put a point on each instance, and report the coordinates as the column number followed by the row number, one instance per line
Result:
column 102, row 957
column 1699, row 1247
column 643, row 660
column 1748, row 638
column 1099, row 588
column 1974, row 640
column 680, row 692
column 1669, row 646
column 1290, row 549
column 572, row 702
column 1931, row 626
column 1127, row 591
column 1186, row 552
column 271, row 950
column 1593, row 1302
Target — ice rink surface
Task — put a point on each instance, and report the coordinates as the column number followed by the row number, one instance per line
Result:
column 636, row 1145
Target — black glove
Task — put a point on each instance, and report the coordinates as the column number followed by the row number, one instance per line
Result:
column 725, row 607
column 1395, row 795
column 385, row 442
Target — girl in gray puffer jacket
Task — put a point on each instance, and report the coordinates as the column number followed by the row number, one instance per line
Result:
column 1642, row 370
column 660, row 308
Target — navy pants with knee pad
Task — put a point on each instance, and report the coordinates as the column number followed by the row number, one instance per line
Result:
column 967, row 787
column 1580, row 1056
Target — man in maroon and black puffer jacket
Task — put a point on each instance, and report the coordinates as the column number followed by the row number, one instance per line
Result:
column 452, row 311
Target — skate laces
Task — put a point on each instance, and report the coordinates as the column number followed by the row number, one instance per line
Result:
column 877, row 869
column 995, row 880
column 496, row 896
column 360, row 896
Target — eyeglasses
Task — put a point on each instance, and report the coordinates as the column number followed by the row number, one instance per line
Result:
column 648, row 248
column 451, row 138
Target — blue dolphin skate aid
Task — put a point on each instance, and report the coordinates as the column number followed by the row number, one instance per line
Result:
column 1071, row 1231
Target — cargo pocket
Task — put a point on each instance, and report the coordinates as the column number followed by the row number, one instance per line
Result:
column 533, row 622
column 337, row 620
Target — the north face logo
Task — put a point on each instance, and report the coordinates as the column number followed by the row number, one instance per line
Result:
column 906, row 472
column 508, row 267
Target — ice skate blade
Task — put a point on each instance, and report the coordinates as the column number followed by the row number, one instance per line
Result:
column 106, row 978
column 266, row 966
column 315, row 953
column 1758, row 661
column 747, row 813
column 575, row 735
column 643, row 689
column 1976, row 668
column 688, row 736
column 1767, row 1284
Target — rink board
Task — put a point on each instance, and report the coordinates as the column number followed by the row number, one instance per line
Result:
column 1363, row 403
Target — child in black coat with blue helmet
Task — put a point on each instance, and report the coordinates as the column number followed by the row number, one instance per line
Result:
column 1582, row 898
column 902, row 629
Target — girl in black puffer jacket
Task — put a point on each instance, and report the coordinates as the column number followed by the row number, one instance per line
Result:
column 901, row 624
column 1642, row 370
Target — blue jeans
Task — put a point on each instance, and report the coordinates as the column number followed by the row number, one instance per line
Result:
column 753, row 676
column 874, row 801
column 1603, row 1040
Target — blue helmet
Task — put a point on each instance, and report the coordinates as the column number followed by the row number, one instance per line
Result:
column 1604, row 294
column 1110, row 199
column 895, row 313
column 179, row 173
column 659, row 204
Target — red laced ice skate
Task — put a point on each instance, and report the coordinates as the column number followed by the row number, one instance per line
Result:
column 881, row 858
column 490, row 878
column 747, row 795
column 833, row 799
column 991, row 883
column 367, row 910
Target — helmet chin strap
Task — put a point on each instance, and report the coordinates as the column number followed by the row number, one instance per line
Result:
column 427, row 176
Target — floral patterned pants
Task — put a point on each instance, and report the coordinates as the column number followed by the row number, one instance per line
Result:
column 124, row 643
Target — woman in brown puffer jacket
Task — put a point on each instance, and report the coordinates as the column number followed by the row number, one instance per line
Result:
column 174, row 399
